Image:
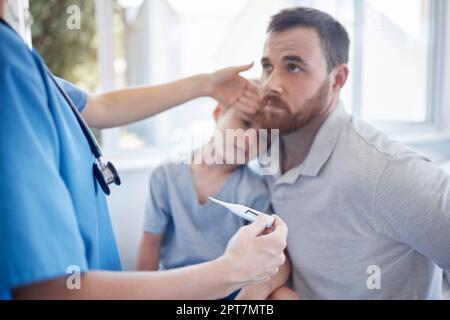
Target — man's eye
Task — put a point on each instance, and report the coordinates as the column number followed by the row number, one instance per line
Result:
column 293, row 68
column 267, row 68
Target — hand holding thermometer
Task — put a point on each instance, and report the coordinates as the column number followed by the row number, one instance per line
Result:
column 244, row 212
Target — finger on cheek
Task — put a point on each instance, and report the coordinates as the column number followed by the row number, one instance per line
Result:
column 251, row 95
column 248, row 102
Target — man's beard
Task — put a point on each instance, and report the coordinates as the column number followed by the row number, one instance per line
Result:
column 291, row 122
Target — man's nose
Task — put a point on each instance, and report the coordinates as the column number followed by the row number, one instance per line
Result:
column 273, row 84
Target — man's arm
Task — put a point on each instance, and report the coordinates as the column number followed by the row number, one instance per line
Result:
column 411, row 204
column 148, row 258
column 250, row 258
column 121, row 107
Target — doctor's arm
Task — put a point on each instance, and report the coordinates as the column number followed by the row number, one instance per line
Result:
column 121, row 107
column 249, row 259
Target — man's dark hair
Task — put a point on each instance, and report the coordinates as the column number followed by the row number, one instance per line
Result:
column 334, row 37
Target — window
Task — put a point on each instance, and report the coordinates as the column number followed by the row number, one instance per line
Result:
column 396, row 56
column 408, row 68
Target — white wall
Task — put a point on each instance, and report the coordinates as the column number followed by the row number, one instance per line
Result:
column 127, row 204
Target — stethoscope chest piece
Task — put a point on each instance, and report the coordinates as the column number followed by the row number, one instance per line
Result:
column 106, row 175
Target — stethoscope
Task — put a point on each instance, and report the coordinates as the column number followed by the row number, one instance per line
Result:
column 105, row 174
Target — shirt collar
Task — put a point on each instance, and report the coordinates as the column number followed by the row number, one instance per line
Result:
column 322, row 147
column 325, row 141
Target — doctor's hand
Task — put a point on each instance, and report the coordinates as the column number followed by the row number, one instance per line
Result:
column 229, row 88
column 253, row 257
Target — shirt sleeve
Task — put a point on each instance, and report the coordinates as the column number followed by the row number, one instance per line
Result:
column 39, row 234
column 412, row 205
column 157, row 214
column 78, row 96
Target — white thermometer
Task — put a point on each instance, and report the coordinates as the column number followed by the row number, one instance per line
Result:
column 244, row 212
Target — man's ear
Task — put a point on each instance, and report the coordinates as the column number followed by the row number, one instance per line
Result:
column 217, row 112
column 340, row 76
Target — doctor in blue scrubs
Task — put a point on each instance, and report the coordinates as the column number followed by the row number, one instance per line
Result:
column 53, row 213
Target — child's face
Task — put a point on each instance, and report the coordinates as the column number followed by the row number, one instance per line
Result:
column 240, row 137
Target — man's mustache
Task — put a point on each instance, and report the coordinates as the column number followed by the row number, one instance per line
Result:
column 274, row 100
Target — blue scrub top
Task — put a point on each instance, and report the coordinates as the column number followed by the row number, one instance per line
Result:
column 53, row 213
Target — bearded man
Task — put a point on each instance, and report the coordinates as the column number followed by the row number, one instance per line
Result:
column 368, row 217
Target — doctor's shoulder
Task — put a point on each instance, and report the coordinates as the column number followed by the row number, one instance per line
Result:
column 13, row 50
column 20, row 68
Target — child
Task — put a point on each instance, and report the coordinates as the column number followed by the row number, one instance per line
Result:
column 181, row 227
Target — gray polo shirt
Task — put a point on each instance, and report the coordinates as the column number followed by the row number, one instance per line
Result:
column 368, row 218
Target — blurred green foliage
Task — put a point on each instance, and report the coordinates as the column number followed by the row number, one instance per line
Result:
column 70, row 54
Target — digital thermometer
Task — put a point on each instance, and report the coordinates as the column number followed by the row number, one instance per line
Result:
column 244, row 212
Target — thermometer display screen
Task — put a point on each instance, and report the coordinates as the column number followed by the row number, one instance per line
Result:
column 251, row 213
